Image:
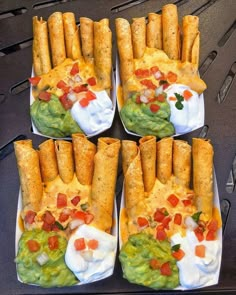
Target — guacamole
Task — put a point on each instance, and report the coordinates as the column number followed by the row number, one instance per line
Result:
column 135, row 257
column 54, row 273
column 139, row 118
column 50, row 118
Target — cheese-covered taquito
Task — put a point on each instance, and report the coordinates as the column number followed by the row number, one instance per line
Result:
column 202, row 152
column 154, row 31
column 147, row 146
column 190, row 33
column 56, row 34
column 84, row 152
column 86, row 34
column 71, row 32
column 41, row 54
column 103, row 53
column 182, row 162
column 138, row 32
column 129, row 151
column 48, row 160
column 171, row 34
column 65, row 161
column 29, row 172
column 164, row 159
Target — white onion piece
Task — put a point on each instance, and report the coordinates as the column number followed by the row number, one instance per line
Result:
column 42, row 258
column 71, row 82
column 147, row 92
column 157, row 75
column 72, row 96
column 190, row 223
column 87, row 255
column 77, row 78
column 75, row 223
column 143, row 98
column 159, row 90
column 67, row 211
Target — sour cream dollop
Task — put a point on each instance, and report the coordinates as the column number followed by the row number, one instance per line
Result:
column 191, row 116
column 97, row 116
column 195, row 271
column 99, row 263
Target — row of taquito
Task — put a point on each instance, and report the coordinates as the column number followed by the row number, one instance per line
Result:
column 60, row 38
column 150, row 160
column 160, row 32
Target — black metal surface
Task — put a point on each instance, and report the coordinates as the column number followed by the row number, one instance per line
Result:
column 218, row 68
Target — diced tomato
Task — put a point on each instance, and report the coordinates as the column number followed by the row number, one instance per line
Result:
column 34, row 80
column 161, row 98
column 171, row 77
column 142, row 73
column 200, row 251
column 166, row 221
column 154, row 263
column 84, row 102
column 63, row 217
column 79, row 244
column 48, row 218
column 165, row 85
column 45, row 96
column 172, row 98
column 75, row 69
column 29, row 217
column 61, row 200
column 55, row 227
column 159, row 215
column 187, row 94
column 80, row 88
column 138, row 101
column 90, row 95
column 213, row 225
column 165, row 269
column 66, row 102
column 92, row 244
column 53, row 242
column 47, row 227
column 173, row 200
column 148, row 84
column 211, row 235
column 78, row 215
column 142, row 222
column 154, row 69
column 187, row 202
column 75, row 201
column 91, row 81
column 33, row 245
column 88, row 218
column 199, row 234
column 178, row 219
column 154, row 108
column 160, row 233
column 179, row 254
column 61, row 84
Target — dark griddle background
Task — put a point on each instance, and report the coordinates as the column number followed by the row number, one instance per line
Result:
column 218, row 68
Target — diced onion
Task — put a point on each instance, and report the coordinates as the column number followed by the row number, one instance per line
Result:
column 87, row 255
column 158, row 75
column 190, row 223
column 148, row 92
column 77, row 78
column 75, row 223
column 159, row 90
column 42, row 258
column 72, row 96
column 143, row 99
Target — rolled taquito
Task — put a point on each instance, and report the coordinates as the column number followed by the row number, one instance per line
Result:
column 138, row 32
column 129, row 150
column 29, row 172
column 56, row 34
column 86, row 34
column 171, row 34
column 202, row 152
column 48, row 160
column 195, row 55
column 147, row 146
column 84, row 152
column 65, row 160
column 154, row 31
column 103, row 53
column 164, row 159
column 182, row 162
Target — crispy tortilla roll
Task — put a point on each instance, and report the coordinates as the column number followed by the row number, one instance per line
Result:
column 190, row 32
column 56, row 33
column 105, row 172
column 86, row 33
column 102, row 220
column 182, row 161
column 147, row 146
column 138, row 32
column 154, row 31
column 164, row 159
column 129, row 150
column 125, row 49
column 84, row 152
column 41, row 54
column 71, row 32
column 196, row 50
column 29, row 171
column 65, row 160
column 48, row 160
column 171, row 36
column 103, row 52
column 202, row 152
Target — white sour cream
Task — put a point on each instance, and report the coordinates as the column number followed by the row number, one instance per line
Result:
column 97, row 116
column 100, row 264
column 195, row 271
column 190, row 117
